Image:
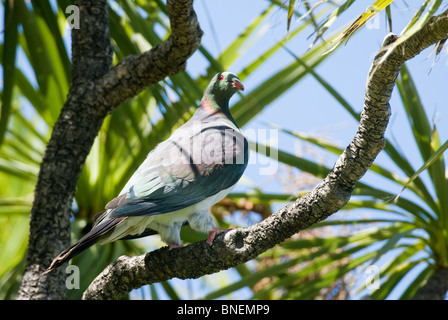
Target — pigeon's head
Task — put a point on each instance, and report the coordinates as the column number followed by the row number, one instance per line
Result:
column 222, row 87
column 227, row 82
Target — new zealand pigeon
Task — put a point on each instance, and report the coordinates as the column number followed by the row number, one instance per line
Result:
column 197, row 166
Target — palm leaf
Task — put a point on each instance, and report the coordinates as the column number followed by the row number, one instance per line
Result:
column 370, row 12
column 8, row 63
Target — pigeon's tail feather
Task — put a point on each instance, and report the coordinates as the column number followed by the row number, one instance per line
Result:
column 84, row 243
column 69, row 253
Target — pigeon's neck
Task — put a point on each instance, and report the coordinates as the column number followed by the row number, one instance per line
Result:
column 210, row 107
column 216, row 97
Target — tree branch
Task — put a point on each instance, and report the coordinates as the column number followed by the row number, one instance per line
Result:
column 95, row 91
column 241, row 245
column 134, row 73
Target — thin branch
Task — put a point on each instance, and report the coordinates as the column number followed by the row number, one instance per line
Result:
column 241, row 245
column 135, row 73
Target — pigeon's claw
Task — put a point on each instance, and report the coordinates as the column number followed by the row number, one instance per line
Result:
column 175, row 245
column 214, row 232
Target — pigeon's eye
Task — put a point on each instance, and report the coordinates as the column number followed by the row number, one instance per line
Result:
column 220, row 77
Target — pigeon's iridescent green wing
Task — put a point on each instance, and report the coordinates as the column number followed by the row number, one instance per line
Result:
column 184, row 170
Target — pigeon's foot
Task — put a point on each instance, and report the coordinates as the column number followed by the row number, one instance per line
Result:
column 214, row 232
column 175, row 245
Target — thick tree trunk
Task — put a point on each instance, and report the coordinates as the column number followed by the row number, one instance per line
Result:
column 96, row 90
column 71, row 140
column 435, row 288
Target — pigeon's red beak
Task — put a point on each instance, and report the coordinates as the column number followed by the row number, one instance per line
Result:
column 237, row 85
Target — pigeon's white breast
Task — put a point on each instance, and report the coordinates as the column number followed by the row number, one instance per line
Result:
column 137, row 224
column 183, row 214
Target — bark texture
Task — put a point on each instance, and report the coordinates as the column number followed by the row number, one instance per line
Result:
column 97, row 89
column 241, row 245
column 435, row 288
